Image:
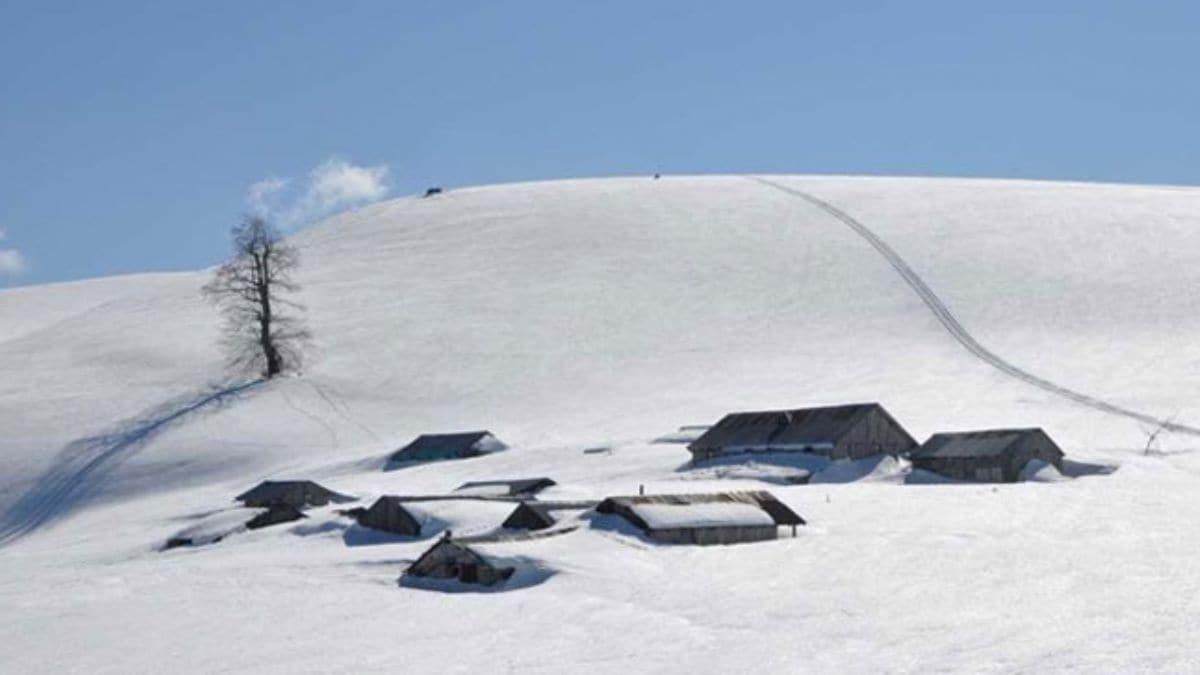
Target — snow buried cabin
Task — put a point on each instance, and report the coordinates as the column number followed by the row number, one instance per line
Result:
column 450, row 560
column 389, row 515
column 297, row 493
column 521, row 487
column 992, row 455
column 274, row 515
column 705, row 519
column 838, row 432
column 431, row 447
column 529, row 516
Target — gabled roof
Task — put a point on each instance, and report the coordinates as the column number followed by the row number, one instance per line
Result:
column 391, row 503
column 294, row 492
column 529, row 515
column 453, row 549
column 447, row 446
column 982, row 443
column 779, row 512
column 785, row 429
column 510, row 488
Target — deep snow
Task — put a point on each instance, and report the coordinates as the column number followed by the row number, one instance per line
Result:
column 572, row 315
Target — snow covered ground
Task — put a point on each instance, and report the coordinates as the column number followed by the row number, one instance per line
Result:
column 573, row 315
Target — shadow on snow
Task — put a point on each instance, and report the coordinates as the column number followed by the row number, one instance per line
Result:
column 80, row 465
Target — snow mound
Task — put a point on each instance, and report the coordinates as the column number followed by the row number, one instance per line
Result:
column 1041, row 471
column 885, row 468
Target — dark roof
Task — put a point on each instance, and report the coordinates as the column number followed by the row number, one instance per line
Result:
column 529, row 516
column 278, row 513
column 779, row 512
column 442, row 446
column 515, row 487
column 388, row 513
column 983, row 443
column 297, row 493
column 801, row 427
column 390, row 503
column 457, row 551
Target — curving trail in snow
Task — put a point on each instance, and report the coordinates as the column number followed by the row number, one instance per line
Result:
column 956, row 329
column 83, row 462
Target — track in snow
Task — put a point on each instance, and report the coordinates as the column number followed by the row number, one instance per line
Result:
column 956, row 329
column 83, row 462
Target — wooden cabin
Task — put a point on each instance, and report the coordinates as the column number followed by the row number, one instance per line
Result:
column 705, row 519
column 389, row 515
column 988, row 456
column 839, row 432
column 448, row 559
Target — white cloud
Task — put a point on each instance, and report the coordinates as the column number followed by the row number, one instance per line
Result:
column 333, row 186
column 337, row 184
column 261, row 195
column 12, row 262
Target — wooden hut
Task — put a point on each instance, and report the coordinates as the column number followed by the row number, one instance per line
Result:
column 428, row 447
column 388, row 514
column 704, row 519
column 529, row 516
column 991, row 455
column 519, row 487
column 448, row 559
column 839, row 432
column 297, row 493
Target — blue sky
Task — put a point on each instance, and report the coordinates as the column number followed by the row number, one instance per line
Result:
column 130, row 132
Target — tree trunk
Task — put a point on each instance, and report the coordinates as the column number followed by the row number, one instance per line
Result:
column 265, row 339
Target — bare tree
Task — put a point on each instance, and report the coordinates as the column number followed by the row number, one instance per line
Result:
column 262, row 330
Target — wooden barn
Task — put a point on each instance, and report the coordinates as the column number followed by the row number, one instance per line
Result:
column 428, row 447
column 991, row 456
column 705, row 519
column 276, row 514
column 448, row 559
column 389, row 515
column 297, row 493
column 839, row 432
column 529, row 516
column 520, row 487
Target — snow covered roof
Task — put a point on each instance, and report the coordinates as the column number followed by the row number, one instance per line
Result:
column 759, row 500
column 795, row 429
column 658, row 516
column 982, row 443
column 505, row 488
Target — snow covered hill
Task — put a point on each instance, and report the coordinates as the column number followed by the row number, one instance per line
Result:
column 577, row 314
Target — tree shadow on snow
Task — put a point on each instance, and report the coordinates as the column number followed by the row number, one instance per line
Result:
column 80, row 466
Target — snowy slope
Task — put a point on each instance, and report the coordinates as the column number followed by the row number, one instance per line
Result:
column 576, row 314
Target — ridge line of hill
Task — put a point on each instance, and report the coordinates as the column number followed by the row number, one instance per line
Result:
column 943, row 314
